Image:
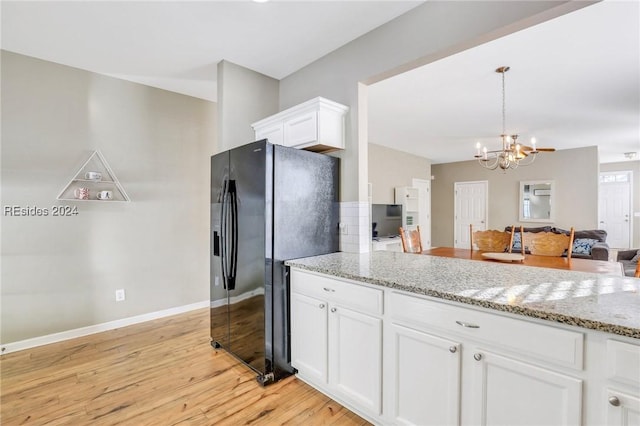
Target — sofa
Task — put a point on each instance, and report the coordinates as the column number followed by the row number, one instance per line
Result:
column 587, row 244
column 629, row 260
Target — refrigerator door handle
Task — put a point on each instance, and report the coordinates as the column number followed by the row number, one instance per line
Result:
column 233, row 251
column 223, row 233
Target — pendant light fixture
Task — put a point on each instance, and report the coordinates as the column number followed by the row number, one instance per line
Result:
column 512, row 153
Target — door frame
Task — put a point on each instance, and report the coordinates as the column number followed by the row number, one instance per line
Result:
column 631, row 200
column 456, row 185
column 424, row 216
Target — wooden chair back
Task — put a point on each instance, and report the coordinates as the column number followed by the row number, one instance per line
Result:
column 491, row 240
column 637, row 273
column 411, row 242
column 547, row 243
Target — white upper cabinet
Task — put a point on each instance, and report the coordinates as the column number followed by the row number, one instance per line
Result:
column 316, row 125
column 409, row 197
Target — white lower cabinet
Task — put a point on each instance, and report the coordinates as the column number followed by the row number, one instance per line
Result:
column 355, row 357
column 505, row 391
column 426, row 385
column 622, row 392
column 422, row 377
column 309, row 336
column 451, row 365
column 336, row 340
column 622, row 409
column 446, row 364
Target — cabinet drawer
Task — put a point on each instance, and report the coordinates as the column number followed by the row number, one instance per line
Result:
column 550, row 344
column 353, row 296
column 623, row 362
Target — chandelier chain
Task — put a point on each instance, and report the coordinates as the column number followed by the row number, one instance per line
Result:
column 504, row 107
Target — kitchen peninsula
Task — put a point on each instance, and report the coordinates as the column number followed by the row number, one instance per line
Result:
column 458, row 341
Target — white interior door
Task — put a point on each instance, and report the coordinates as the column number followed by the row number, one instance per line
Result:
column 471, row 208
column 424, row 210
column 614, row 208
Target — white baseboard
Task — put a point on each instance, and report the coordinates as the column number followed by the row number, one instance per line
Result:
column 97, row 328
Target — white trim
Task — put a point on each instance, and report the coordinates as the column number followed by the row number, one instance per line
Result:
column 98, row 328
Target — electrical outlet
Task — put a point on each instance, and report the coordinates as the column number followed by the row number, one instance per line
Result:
column 120, row 295
column 343, row 228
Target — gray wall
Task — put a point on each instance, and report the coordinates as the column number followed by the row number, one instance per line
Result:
column 389, row 168
column 575, row 172
column 244, row 97
column 60, row 273
column 428, row 32
column 633, row 166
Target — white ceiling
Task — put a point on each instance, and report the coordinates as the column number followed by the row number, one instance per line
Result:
column 175, row 45
column 574, row 81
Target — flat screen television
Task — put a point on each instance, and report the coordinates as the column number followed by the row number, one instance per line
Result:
column 385, row 220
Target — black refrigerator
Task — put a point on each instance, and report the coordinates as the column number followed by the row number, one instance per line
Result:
column 269, row 203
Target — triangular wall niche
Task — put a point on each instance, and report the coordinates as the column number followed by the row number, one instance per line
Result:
column 97, row 177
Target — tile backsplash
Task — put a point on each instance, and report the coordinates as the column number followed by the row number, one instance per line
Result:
column 355, row 228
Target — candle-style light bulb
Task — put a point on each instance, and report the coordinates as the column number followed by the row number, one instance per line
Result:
column 484, row 152
column 478, row 146
column 533, row 143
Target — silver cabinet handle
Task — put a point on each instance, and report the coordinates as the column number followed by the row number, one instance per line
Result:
column 477, row 356
column 321, row 306
column 453, row 349
column 467, row 324
column 333, row 309
column 328, row 289
column 613, row 400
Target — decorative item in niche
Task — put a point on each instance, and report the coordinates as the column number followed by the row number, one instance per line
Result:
column 94, row 181
column 537, row 201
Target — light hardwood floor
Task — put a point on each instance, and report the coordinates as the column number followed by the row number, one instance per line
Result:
column 161, row 372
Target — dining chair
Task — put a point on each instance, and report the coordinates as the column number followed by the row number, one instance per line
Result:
column 547, row 243
column 637, row 273
column 491, row 240
column 411, row 242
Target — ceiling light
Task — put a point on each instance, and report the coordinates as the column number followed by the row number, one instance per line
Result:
column 260, row 1
column 630, row 155
column 512, row 153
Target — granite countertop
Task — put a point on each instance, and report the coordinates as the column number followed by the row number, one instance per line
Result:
column 599, row 302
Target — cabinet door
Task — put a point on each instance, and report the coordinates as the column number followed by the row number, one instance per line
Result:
column 273, row 133
column 509, row 392
column 423, row 386
column 301, row 130
column 309, row 337
column 622, row 409
column 355, row 357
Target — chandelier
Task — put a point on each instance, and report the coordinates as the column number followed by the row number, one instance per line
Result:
column 512, row 153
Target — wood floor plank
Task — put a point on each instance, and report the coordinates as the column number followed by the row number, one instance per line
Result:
column 161, row 372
